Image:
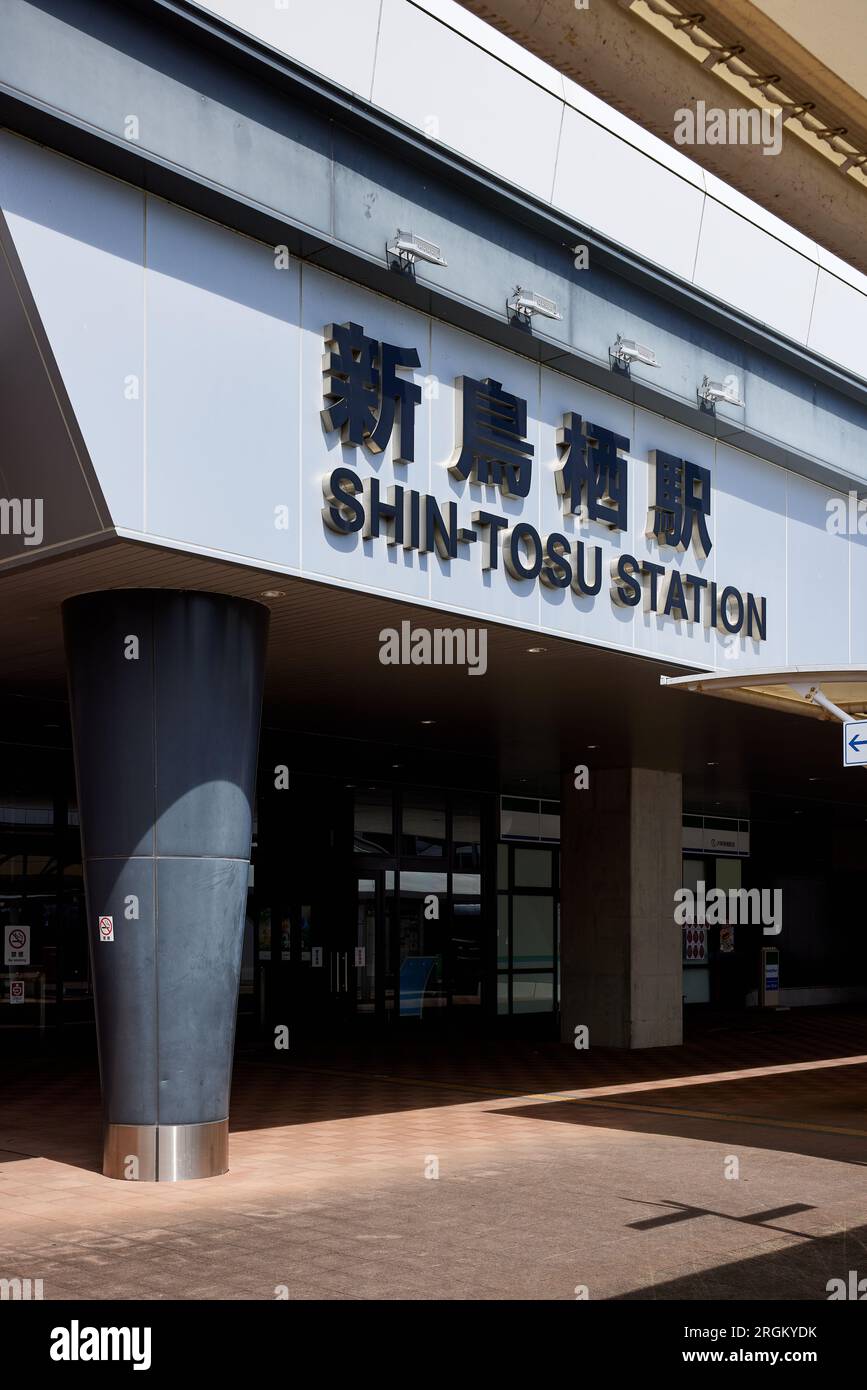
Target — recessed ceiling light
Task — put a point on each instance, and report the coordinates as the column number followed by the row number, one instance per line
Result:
column 428, row 721
column 273, row 593
column 713, row 764
column 593, row 745
column 537, row 649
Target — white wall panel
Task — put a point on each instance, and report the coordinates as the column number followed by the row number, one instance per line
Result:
column 750, row 520
column 741, row 264
column 481, row 94
column 817, row 577
column 432, row 78
column 233, row 394
column 223, row 402
column 337, row 39
column 614, row 188
column 80, row 239
column 838, row 329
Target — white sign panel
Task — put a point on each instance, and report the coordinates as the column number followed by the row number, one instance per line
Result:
column 16, row 991
column 420, row 462
column 855, row 743
column 16, row 950
column 106, row 929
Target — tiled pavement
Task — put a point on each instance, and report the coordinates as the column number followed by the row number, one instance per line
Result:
column 556, row 1170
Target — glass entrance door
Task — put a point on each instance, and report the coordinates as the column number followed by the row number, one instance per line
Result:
column 322, row 968
column 420, row 947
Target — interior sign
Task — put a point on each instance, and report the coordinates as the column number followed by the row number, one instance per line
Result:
column 16, row 945
column 365, row 398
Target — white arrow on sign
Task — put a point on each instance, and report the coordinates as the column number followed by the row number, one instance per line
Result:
column 855, row 743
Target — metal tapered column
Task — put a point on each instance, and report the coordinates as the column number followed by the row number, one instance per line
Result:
column 165, row 692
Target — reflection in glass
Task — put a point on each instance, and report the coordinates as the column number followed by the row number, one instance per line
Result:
column 374, row 828
column 502, row 931
column 502, row 866
column 467, row 834
column 465, row 954
column 265, row 933
column 533, row 994
column 306, row 933
column 365, row 975
column 533, row 931
column 424, row 826
column 470, row 885
column 502, row 994
column 532, row 868
column 420, row 960
column 421, row 881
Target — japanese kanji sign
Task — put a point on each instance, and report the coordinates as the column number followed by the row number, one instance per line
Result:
column 370, row 397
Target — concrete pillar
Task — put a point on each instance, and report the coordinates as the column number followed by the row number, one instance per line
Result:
column 165, row 695
column 620, row 946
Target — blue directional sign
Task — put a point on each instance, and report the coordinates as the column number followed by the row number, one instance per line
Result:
column 855, row 743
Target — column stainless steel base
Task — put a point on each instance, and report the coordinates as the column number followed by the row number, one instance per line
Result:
column 166, row 1153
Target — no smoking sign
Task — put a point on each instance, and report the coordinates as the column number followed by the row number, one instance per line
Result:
column 106, row 929
column 17, row 945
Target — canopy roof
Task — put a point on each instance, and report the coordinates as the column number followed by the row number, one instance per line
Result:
column 793, row 689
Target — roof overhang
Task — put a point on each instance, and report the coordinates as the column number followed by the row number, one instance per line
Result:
column 822, row 693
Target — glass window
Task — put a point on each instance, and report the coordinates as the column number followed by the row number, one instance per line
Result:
column 423, row 833
column 465, row 954
column 374, row 828
column 365, row 975
column 265, row 933
column 285, row 937
column 502, row 866
column 532, row 994
column 467, row 835
column 470, row 885
column 420, row 881
column 502, row 994
column 728, row 873
column 533, row 930
column 502, row 931
column 693, row 873
column 26, row 810
column 532, row 868
column 420, row 954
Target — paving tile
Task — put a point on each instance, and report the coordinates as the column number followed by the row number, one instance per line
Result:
column 608, row 1171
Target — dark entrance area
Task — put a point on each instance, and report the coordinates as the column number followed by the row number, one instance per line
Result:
column 373, row 906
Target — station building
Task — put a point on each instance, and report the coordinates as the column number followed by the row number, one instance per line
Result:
column 383, row 415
